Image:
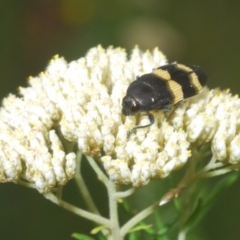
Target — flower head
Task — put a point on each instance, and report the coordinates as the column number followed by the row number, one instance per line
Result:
column 80, row 101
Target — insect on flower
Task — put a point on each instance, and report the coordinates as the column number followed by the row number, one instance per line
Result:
column 163, row 87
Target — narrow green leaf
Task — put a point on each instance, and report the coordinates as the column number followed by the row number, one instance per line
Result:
column 80, row 236
column 204, row 205
column 98, row 229
column 140, row 227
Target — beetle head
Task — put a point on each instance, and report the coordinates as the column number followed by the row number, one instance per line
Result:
column 130, row 106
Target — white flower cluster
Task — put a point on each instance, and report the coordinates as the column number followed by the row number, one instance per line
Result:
column 82, row 100
column 29, row 149
column 214, row 117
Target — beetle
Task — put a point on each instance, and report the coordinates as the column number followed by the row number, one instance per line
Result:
column 163, row 87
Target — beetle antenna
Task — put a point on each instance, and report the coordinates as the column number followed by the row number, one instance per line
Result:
column 151, row 119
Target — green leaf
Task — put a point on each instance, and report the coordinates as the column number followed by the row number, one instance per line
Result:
column 80, row 236
column 140, row 227
column 204, row 204
column 127, row 207
column 133, row 236
column 98, row 229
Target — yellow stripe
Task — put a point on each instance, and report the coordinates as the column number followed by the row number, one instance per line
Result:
column 192, row 76
column 176, row 90
column 163, row 74
column 195, row 82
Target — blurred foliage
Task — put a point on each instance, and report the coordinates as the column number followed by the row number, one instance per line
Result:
column 188, row 31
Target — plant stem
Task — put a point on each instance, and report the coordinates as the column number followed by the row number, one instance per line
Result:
column 26, row 184
column 125, row 193
column 113, row 211
column 101, row 176
column 182, row 235
column 137, row 218
column 83, row 188
column 78, row 211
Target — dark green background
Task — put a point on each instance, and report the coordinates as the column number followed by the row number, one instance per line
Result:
column 205, row 33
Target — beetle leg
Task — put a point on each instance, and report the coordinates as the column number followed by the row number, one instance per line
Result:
column 182, row 101
column 166, row 108
column 151, row 119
